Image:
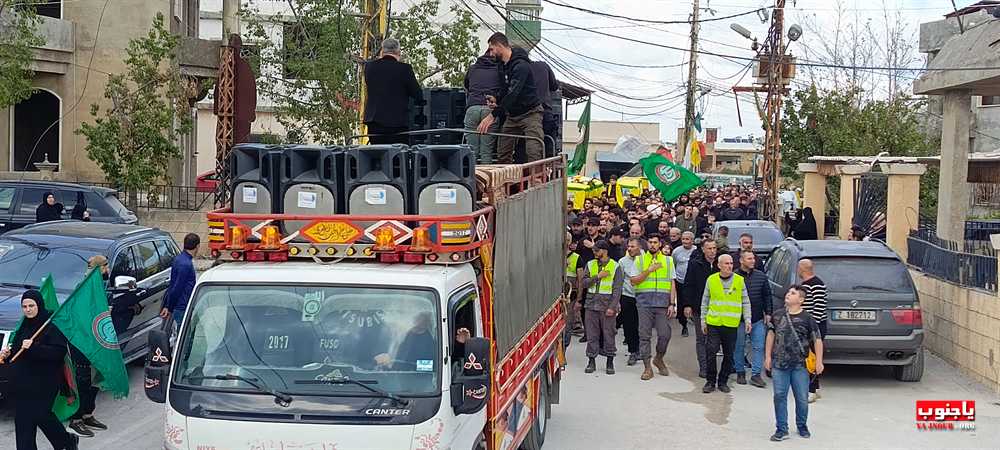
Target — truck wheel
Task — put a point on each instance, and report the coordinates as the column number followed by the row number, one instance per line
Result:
column 912, row 372
column 536, row 436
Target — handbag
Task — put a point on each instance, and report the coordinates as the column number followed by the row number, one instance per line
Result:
column 810, row 357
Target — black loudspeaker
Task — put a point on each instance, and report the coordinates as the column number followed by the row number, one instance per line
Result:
column 256, row 172
column 376, row 180
column 416, row 113
column 444, row 181
column 312, row 183
column 445, row 109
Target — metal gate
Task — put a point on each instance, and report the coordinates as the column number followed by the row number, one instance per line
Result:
column 871, row 192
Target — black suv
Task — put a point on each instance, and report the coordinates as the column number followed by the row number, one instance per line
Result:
column 873, row 311
column 62, row 248
column 19, row 199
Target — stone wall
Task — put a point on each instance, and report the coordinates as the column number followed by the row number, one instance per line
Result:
column 177, row 223
column 962, row 326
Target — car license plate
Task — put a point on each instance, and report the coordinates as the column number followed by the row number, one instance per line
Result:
column 868, row 316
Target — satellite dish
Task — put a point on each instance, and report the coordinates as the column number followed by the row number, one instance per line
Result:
column 794, row 32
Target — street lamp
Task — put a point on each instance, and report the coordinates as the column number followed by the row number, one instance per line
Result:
column 745, row 33
column 794, row 32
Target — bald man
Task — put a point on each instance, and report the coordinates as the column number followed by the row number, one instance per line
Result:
column 723, row 304
column 815, row 305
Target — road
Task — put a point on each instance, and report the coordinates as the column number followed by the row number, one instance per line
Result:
column 861, row 408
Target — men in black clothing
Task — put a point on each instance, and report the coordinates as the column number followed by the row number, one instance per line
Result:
column 390, row 84
column 702, row 264
column 616, row 248
column 734, row 212
column 746, row 244
column 482, row 80
column 545, row 85
column 519, row 105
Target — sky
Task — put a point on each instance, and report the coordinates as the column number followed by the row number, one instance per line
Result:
column 664, row 87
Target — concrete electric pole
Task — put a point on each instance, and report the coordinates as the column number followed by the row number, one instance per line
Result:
column 685, row 144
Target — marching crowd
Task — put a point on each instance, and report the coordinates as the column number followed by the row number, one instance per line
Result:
column 639, row 265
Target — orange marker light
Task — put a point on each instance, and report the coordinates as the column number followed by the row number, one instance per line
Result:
column 270, row 238
column 237, row 238
column 385, row 240
column 421, row 241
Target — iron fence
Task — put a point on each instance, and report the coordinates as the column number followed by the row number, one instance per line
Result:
column 969, row 264
column 185, row 198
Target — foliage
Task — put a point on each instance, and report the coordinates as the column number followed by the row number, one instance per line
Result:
column 18, row 34
column 134, row 141
column 311, row 74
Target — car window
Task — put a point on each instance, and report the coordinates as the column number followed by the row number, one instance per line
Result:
column 30, row 199
column 67, row 198
column 147, row 260
column 6, row 197
column 98, row 205
column 167, row 251
column 774, row 262
column 124, row 264
column 856, row 274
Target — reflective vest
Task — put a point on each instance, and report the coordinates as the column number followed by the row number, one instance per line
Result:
column 606, row 284
column 659, row 281
column 571, row 264
column 725, row 306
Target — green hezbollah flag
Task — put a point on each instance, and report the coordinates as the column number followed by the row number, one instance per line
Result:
column 66, row 403
column 670, row 179
column 85, row 320
column 580, row 155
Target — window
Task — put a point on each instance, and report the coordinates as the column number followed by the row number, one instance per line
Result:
column 36, row 131
column 6, row 197
column 124, row 264
column 991, row 100
column 167, row 251
column 147, row 260
column 98, row 205
column 868, row 275
column 31, row 198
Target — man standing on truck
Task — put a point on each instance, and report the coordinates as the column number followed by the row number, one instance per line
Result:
column 656, row 300
column 483, row 79
column 520, row 104
column 390, row 84
column 725, row 301
column 603, row 281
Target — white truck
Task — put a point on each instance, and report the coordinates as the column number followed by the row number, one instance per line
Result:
column 331, row 342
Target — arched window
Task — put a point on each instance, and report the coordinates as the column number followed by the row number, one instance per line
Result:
column 32, row 117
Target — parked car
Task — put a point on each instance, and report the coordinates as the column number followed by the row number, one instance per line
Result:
column 873, row 308
column 766, row 235
column 207, row 182
column 62, row 248
column 20, row 199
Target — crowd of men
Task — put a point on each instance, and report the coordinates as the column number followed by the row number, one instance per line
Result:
column 507, row 94
column 640, row 265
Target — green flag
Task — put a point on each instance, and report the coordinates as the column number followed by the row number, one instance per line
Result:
column 66, row 403
column 85, row 320
column 670, row 179
column 580, row 155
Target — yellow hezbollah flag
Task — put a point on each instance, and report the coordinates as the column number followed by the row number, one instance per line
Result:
column 618, row 195
column 695, row 154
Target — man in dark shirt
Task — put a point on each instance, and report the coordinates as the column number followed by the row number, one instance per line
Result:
column 545, row 85
column 759, row 290
column 519, row 104
column 389, row 84
column 734, row 212
column 182, row 279
column 616, row 247
column 702, row 264
column 788, row 340
column 418, row 351
column 483, row 79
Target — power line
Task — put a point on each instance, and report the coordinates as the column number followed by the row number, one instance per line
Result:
column 634, row 66
column 661, row 22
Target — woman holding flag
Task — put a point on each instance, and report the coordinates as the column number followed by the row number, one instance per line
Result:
column 37, row 377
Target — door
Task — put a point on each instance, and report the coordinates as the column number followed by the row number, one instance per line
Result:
column 153, row 277
column 123, row 264
column 464, row 313
column 6, row 207
column 871, row 193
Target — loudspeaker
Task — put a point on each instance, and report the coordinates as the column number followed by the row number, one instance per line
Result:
column 256, row 171
column 445, row 109
column 416, row 113
column 376, row 180
column 444, row 181
column 312, row 183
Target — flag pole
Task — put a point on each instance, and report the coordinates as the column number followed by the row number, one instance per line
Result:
column 33, row 336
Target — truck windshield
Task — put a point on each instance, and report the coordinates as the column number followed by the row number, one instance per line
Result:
column 308, row 340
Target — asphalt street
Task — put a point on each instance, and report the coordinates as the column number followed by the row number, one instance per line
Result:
column 861, row 408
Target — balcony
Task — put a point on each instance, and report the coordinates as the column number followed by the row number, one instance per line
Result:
column 56, row 53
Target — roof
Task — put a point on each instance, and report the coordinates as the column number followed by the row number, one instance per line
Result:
column 973, row 8
column 81, row 230
column 410, row 275
column 975, row 53
column 835, row 248
column 571, row 92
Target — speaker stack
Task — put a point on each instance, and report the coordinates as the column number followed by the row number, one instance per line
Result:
column 445, row 109
column 256, row 171
column 312, row 183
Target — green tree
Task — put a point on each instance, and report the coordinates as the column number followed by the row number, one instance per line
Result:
column 820, row 122
column 309, row 67
column 134, row 140
column 18, row 34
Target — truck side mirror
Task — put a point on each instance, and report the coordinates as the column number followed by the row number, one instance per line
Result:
column 157, row 366
column 470, row 390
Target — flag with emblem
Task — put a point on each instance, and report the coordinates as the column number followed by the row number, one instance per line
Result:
column 670, row 179
column 85, row 320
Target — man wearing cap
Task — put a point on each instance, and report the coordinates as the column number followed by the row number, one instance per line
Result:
column 656, row 300
column 603, row 281
column 616, row 242
column 390, row 83
column 585, row 247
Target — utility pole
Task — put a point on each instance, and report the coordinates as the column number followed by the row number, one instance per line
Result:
column 685, row 144
column 374, row 27
column 776, row 86
column 225, row 102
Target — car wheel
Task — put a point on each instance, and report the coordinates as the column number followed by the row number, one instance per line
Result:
column 912, row 372
column 536, row 436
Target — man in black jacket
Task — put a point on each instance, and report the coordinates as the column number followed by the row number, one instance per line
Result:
column 545, row 85
column 519, row 104
column 482, row 80
column 390, row 84
column 759, row 290
column 702, row 264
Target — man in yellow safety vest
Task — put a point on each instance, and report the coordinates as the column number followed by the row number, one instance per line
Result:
column 656, row 300
column 574, row 276
column 723, row 304
column 603, row 280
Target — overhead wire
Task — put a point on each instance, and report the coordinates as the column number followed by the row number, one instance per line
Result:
column 660, row 22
